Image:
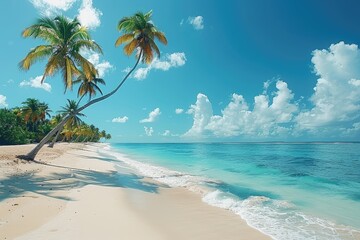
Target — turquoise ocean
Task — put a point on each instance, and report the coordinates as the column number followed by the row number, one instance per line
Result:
column 285, row 190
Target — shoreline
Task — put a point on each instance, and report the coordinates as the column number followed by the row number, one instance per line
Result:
column 82, row 194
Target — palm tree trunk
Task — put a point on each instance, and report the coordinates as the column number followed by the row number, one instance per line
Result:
column 114, row 91
column 55, row 138
column 77, row 138
column 32, row 154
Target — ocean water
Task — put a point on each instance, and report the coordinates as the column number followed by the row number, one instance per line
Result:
column 287, row 191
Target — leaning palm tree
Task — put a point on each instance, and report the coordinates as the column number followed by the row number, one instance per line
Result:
column 55, row 121
column 140, row 34
column 88, row 86
column 65, row 39
column 73, row 118
column 71, row 109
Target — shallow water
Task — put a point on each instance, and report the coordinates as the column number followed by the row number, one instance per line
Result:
column 288, row 191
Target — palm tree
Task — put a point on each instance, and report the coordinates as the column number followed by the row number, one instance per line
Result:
column 55, row 121
column 34, row 111
column 69, row 112
column 71, row 109
column 44, row 111
column 108, row 136
column 141, row 33
column 88, row 86
column 64, row 40
column 103, row 134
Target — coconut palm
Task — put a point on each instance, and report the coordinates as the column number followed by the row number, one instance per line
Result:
column 65, row 39
column 88, row 86
column 34, row 111
column 44, row 111
column 30, row 110
column 71, row 109
column 69, row 112
column 141, row 34
column 108, row 136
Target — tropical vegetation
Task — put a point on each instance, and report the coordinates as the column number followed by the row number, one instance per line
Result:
column 30, row 122
column 64, row 41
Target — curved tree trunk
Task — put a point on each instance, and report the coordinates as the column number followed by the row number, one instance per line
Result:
column 51, row 145
column 32, row 154
column 55, row 138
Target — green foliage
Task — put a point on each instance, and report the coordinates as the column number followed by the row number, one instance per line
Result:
column 28, row 124
column 11, row 130
column 64, row 41
column 140, row 32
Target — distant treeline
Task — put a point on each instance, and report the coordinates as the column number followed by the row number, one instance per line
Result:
column 30, row 122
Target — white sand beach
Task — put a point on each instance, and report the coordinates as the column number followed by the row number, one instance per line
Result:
column 79, row 194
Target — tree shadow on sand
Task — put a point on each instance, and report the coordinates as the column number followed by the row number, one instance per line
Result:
column 70, row 178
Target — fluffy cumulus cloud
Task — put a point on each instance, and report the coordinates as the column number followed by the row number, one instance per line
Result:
column 3, row 102
column 153, row 115
column 197, row 22
column 336, row 97
column 36, row 83
column 88, row 15
column 202, row 112
column 102, row 66
column 120, row 119
column 149, row 131
column 177, row 59
column 334, row 109
column 179, row 111
column 265, row 119
column 50, row 7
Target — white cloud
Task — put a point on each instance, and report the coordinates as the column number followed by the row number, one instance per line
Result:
column 177, row 59
column 202, row 111
column 335, row 109
column 103, row 66
column 181, row 22
column 179, row 111
column 196, row 22
column 141, row 73
column 166, row 133
column 51, row 7
column 36, row 83
column 336, row 96
column 266, row 118
column 149, row 131
column 152, row 116
column 88, row 15
column 120, row 119
column 126, row 70
column 3, row 102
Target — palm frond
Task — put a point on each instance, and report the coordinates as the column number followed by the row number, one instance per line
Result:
column 130, row 47
column 35, row 55
column 88, row 44
column 155, row 47
column 161, row 37
column 124, row 39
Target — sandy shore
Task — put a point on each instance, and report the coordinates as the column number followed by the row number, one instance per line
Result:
column 79, row 194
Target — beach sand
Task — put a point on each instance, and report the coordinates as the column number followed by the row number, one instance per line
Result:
column 79, row 194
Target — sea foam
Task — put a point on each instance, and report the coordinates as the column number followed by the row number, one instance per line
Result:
column 277, row 218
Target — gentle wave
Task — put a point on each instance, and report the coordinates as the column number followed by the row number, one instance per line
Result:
column 276, row 218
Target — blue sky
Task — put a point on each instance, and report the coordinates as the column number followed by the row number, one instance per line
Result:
column 232, row 70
